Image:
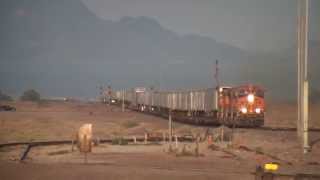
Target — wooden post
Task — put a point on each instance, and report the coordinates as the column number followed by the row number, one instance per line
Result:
column 85, row 142
column 222, row 133
column 72, row 145
column 176, row 140
column 209, row 140
column 197, row 146
column 145, row 138
column 98, row 141
column 170, row 127
column 134, row 140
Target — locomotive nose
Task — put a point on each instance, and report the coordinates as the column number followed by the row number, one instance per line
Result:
column 244, row 110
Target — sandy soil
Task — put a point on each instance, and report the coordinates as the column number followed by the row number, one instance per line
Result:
column 57, row 120
column 284, row 114
column 54, row 120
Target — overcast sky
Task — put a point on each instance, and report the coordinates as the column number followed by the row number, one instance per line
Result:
column 60, row 48
column 264, row 25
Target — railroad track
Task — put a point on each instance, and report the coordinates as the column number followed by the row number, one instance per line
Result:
column 266, row 128
column 30, row 145
column 128, row 139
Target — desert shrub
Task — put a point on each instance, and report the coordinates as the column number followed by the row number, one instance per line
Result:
column 4, row 97
column 60, row 152
column 129, row 124
column 30, row 95
column 119, row 141
column 259, row 150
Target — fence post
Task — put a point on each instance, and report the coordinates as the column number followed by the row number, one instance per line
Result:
column 176, row 140
column 145, row 138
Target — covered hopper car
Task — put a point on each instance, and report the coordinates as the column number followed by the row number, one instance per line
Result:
column 241, row 106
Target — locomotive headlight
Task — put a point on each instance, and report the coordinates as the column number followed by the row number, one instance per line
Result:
column 250, row 98
column 113, row 101
column 258, row 110
column 244, row 110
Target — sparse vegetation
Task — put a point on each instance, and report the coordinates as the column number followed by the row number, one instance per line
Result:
column 259, row 150
column 130, row 124
column 4, row 97
column 60, row 152
column 184, row 150
column 30, row 95
column 7, row 149
column 43, row 103
column 119, row 141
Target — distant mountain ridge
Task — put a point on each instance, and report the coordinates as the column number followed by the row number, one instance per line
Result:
column 62, row 49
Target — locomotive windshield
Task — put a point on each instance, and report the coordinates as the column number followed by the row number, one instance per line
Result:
column 246, row 92
column 259, row 93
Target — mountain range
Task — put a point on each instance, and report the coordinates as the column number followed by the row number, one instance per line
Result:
column 62, row 49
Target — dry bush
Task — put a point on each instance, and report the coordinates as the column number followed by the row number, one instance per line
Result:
column 129, row 124
column 30, row 95
column 119, row 141
column 4, row 97
column 60, row 152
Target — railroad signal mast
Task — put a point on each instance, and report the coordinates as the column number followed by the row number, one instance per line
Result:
column 101, row 93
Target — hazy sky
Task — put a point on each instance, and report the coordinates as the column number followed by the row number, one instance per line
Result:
column 264, row 25
column 60, row 48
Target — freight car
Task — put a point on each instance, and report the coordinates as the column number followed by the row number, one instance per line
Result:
column 241, row 106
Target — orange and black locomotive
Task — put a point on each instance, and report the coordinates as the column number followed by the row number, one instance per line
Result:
column 241, row 106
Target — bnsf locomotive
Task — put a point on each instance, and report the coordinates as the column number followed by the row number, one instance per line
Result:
column 241, row 106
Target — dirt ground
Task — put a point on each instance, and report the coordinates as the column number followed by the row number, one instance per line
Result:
column 60, row 120
column 284, row 114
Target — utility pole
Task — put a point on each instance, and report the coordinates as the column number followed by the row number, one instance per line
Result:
column 170, row 126
column 123, row 94
column 101, row 93
column 109, row 94
column 216, row 74
column 303, row 85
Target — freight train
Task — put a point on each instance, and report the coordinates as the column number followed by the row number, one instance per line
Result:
column 241, row 106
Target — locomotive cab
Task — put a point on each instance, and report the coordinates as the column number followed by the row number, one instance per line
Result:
column 249, row 99
column 241, row 106
column 248, row 102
